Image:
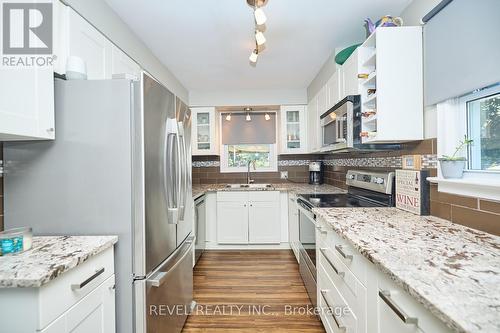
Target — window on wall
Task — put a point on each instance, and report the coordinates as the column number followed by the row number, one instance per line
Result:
column 483, row 126
column 245, row 140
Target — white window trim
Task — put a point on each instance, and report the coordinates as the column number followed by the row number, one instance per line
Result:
column 224, row 153
column 451, row 128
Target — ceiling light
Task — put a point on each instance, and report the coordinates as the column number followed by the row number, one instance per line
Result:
column 228, row 117
column 267, row 116
column 248, row 118
column 259, row 38
column 260, row 17
column 253, row 56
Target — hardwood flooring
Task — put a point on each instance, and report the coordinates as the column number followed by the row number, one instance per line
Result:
column 250, row 291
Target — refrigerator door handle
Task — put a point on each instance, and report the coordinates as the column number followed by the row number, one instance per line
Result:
column 180, row 176
column 159, row 278
column 185, row 179
column 169, row 177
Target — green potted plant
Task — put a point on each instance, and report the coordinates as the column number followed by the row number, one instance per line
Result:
column 453, row 166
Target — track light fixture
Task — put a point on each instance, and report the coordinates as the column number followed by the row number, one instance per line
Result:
column 267, row 116
column 260, row 19
column 228, row 117
column 253, row 56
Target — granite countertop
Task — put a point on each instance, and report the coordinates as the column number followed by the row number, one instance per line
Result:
column 454, row 271
column 296, row 188
column 50, row 257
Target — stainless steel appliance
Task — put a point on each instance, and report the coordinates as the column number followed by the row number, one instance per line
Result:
column 316, row 173
column 200, row 226
column 365, row 189
column 120, row 165
column 341, row 128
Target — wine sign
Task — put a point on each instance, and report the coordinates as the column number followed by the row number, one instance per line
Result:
column 412, row 191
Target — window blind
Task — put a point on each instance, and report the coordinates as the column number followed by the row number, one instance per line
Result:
column 461, row 49
column 257, row 131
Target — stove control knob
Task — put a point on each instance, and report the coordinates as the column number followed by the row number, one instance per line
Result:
column 352, row 177
column 378, row 180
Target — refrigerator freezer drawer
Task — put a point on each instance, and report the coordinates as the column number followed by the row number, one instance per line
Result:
column 168, row 293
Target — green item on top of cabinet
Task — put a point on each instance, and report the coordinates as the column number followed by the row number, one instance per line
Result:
column 343, row 55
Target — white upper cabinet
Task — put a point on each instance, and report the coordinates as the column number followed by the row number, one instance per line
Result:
column 26, row 104
column 313, row 124
column 123, row 64
column 322, row 101
column 335, row 88
column 293, row 129
column 392, row 95
column 350, row 69
column 204, row 131
column 88, row 43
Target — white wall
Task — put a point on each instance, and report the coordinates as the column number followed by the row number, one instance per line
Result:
column 101, row 16
column 248, row 97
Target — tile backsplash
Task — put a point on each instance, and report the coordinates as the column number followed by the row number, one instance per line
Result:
column 473, row 212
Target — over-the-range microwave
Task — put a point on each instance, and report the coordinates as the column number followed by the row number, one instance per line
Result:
column 341, row 128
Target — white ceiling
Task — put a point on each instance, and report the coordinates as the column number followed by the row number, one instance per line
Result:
column 206, row 43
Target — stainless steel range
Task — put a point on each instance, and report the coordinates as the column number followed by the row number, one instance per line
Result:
column 365, row 189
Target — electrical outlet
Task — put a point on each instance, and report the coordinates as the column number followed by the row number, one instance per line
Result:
column 284, row 175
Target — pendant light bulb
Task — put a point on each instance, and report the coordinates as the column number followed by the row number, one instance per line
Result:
column 253, row 56
column 228, row 117
column 267, row 116
column 259, row 38
column 260, row 16
column 248, row 118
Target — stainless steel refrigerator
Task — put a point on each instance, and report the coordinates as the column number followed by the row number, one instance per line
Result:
column 120, row 164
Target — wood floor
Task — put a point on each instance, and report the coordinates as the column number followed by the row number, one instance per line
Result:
column 250, row 291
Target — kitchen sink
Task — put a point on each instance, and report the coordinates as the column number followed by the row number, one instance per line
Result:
column 256, row 186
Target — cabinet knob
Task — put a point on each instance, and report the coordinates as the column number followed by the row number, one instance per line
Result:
column 50, row 129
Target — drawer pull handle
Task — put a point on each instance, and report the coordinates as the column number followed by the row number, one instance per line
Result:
column 341, row 274
column 84, row 283
column 340, row 250
column 339, row 324
column 321, row 231
column 385, row 295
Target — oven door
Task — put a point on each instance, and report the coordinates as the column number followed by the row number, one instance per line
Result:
column 337, row 127
column 307, row 251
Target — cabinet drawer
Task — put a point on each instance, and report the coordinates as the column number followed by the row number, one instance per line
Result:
column 60, row 294
column 394, row 305
column 263, row 196
column 347, row 254
column 352, row 291
column 232, row 196
column 335, row 313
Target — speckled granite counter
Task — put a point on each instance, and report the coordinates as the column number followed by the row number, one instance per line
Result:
column 295, row 188
column 454, row 271
column 49, row 257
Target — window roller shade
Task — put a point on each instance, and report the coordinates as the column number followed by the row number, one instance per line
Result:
column 257, row 131
column 461, row 49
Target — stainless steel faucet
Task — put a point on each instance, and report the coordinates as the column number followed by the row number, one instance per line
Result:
column 249, row 180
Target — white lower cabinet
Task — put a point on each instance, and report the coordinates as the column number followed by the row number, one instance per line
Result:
column 232, row 222
column 361, row 297
column 264, row 222
column 81, row 300
column 248, row 217
column 293, row 225
column 94, row 313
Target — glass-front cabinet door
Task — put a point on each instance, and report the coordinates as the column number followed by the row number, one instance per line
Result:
column 293, row 129
column 204, row 131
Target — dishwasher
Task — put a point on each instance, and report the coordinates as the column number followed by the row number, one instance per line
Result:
column 199, row 227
